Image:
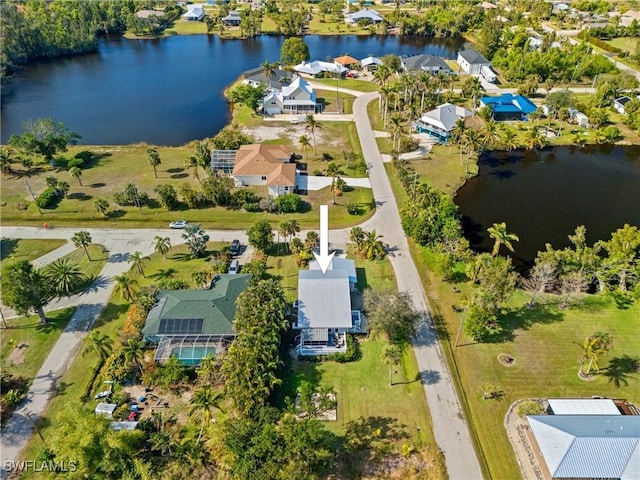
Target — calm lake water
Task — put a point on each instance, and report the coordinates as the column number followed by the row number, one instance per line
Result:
column 166, row 91
column 543, row 196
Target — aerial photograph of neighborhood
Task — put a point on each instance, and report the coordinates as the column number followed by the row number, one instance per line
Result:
column 320, row 239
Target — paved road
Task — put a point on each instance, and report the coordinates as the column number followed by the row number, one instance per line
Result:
column 449, row 425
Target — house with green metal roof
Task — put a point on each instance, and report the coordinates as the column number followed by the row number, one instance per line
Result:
column 192, row 324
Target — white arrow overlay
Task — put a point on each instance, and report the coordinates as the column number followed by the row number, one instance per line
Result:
column 324, row 259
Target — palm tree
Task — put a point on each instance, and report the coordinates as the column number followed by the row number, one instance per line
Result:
column 82, row 239
column 534, row 139
column 102, row 345
column 385, row 91
column 192, row 162
column 161, row 442
column 126, row 287
column 457, row 134
column 396, row 130
column 101, row 206
column 305, row 143
column 6, row 160
column 491, row 137
column 163, row 245
column 312, row 126
column 153, row 157
column 203, row 155
column 63, row 276
column 498, row 231
column 372, row 246
column 63, row 187
column 269, row 70
column 312, row 240
column 472, row 141
column 134, row 352
column 392, row 356
column 137, row 260
column 357, row 236
column 592, row 347
column 76, row 172
column 509, row 139
column 202, row 277
column 202, row 402
column 333, row 170
column 195, row 239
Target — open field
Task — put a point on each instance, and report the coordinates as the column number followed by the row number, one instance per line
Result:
column 349, row 83
column 26, row 249
column 26, row 343
column 628, row 44
column 113, row 169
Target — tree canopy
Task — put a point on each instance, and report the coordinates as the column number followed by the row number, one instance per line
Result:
column 44, row 137
column 294, row 50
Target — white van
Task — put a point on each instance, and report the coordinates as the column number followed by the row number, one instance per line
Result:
column 233, row 268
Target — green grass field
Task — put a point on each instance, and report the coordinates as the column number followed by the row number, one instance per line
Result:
column 26, row 343
column 27, row 249
column 328, row 99
column 109, row 174
column 349, row 83
column 628, row 44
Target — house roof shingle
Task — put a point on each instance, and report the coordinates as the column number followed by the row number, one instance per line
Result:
column 346, row 60
column 266, row 160
column 424, row 61
column 473, row 57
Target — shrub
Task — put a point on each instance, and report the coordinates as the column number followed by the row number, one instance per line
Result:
column 353, row 208
column 75, row 162
column 121, row 413
column 326, row 156
column 289, row 202
column 318, row 173
column 22, row 206
column 48, row 199
column 529, row 407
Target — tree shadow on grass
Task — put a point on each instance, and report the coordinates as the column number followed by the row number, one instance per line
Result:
column 114, row 214
column 7, row 247
column 111, row 311
column 164, row 273
column 79, row 196
column 620, row 369
column 523, row 319
column 95, row 283
column 181, row 257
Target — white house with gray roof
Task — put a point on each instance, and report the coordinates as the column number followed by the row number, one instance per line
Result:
column 298, row 97
column 587, row 446
column 370, row 16
column 440, row 122
column 425, row 62
column 195, row 12
column 324, row 311
column 472, row 62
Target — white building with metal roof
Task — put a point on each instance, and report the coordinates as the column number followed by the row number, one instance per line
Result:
column 588, row 446
column 339, row 263
column 324, row 312
column 583, row 406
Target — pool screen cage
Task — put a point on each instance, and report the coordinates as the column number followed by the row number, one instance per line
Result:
column 190, row 350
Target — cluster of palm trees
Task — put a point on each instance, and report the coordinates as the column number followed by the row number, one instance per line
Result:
column 302, row 251
column 367, row 244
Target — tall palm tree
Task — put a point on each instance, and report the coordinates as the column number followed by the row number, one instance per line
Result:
column 76, row 172
column 6, row 160
column 385, row 91
column 153, row 157
column 161, row 442
column 357, row 236
column 202, row 402
column 491, row 137
column 381, row 75
column 102, row 345
column 162, row 245
column 203, row 155
column 333, row 170
column 509, row 139
column 498, row 231
column 101, row 206
column 591, row 350
column 126, row 287
column 372, row 247
column 134, row 352
column 396, row 130
column 457, row 134
column 312, row 126
column 192, row 162
column 392, row 356
column 82, row 239
column 137, row 260
column 312, row 240
column 472, row 141
column 63, row 276
column 534, row 139
column 269, row 70
column 305, row 143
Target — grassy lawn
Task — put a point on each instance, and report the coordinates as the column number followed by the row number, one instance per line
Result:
column 442, row 169
column 363, row 391
column 26, row 344
column 27, row 249
column 628, row 44
column 350, row 83
column 328, row 99
column 112, row 170
column 92, row 267
column 182, row 27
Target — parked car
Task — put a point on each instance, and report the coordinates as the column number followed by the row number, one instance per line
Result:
column 234, row 267
column 178, row 224
column 352, row 75
column 234, row 249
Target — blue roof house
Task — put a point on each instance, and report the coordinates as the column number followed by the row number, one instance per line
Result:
column 509, row 107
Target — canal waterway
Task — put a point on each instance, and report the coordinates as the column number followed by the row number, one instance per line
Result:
column 543, row 196
column 166, row 91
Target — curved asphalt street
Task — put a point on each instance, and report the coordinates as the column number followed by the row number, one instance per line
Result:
column 449, row 424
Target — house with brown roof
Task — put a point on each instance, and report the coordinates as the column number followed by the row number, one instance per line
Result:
column 270, row 165
column 346, row 61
